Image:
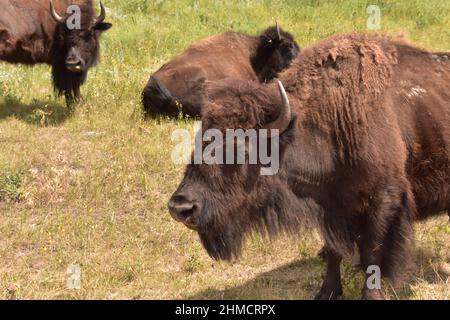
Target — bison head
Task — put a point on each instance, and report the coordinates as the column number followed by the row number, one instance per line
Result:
column 76, row 47
column 223, row 202
column 275, row 52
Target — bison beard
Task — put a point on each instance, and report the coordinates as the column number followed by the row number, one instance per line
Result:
column 281, row 213
column 68, row 83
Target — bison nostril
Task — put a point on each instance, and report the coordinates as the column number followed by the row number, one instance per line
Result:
column 73, row 60
column 183, row 209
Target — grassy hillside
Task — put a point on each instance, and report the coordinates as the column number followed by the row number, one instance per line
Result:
column 90, row 187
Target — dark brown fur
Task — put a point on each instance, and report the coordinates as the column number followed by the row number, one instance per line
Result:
column 29, row 35
column 178, row 86
column 366, row 155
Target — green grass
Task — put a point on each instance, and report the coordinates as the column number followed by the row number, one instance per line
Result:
column 10, row 183
column 90, row 186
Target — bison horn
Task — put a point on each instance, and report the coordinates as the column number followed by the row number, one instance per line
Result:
column 285, row 117
column 102, row 15
column 278, row 31
column 55, row 15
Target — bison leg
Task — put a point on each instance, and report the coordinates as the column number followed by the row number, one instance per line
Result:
column 372, row 294
column 73, row 98
column 322, row 255
column 77, row 92
column 386, row 239
column 70, row 101
column 332, row 286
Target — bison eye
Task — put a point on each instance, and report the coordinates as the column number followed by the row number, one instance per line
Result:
column 267, row 42
column 87, row 35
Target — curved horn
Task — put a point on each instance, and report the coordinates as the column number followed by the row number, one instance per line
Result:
column 278, row 30
column 55, row 15
column 285, row 117
column 102, row 15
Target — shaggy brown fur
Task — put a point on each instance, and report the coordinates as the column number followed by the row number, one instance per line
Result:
column 367, row 153
column 29, row 35
column 178, row 86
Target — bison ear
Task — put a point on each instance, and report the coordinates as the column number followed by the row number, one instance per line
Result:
column 103, row 26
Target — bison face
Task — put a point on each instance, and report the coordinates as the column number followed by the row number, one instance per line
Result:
column 222, row 202
column 82, row 47
column 284, row 47
column 79, row 42
column 275, row 52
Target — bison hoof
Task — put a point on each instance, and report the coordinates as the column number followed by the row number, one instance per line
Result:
column 329, row 293
column 372, row 295
column 322, row 255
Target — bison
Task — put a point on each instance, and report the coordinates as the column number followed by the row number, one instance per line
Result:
column 33, row 32
column 178, row 86
column 364, row 136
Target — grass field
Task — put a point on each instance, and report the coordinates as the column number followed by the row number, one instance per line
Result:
column 90, row 187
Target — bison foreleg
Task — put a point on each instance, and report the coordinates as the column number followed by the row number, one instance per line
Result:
column 386, row 239
column 332, row 286
column 70, row 101
column 78, row 97
column 323, row 254
column 73, row 98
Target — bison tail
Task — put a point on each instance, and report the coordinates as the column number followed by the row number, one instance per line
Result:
column 156, row 98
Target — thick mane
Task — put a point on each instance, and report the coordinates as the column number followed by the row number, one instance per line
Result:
column 339, row 82
column 282, row 213
column 240, row 105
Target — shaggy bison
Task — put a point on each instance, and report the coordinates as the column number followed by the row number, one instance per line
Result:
column 178, row 86
column 364, row 133
column 34, row 32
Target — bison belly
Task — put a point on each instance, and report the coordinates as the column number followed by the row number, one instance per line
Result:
column 424, row 115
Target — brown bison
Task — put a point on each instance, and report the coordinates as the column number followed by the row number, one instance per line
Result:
column 178, row 86
column 38, row 31
column 364, row 134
